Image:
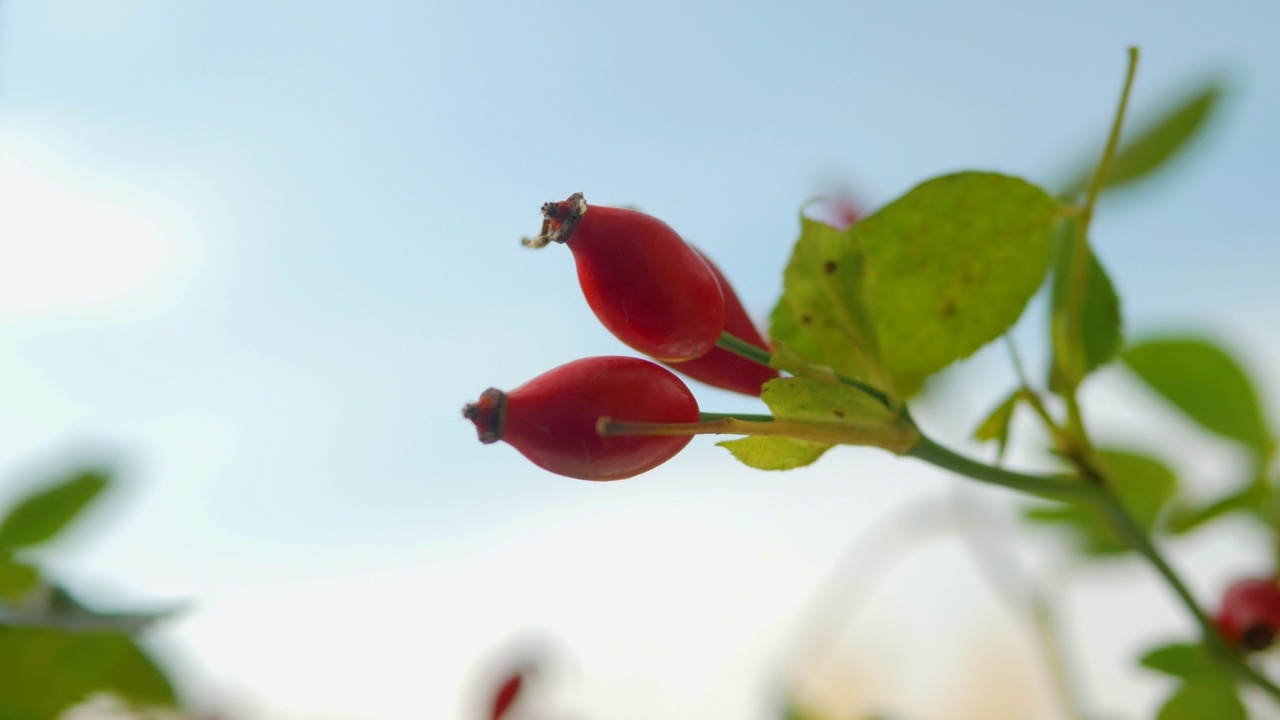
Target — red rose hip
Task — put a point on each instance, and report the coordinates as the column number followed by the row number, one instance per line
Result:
column 1250, row 614
column 552, row 419
column 642, row 280
column 721, row 368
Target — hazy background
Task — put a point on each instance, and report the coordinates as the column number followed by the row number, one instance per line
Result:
column 262, row 254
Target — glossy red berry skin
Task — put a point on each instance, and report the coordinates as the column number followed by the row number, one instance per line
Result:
column 643, row 281
column 552, row 419
column 721, row 368
column 1250, row 614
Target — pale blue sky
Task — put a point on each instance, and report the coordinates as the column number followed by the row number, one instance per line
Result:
column 285, row 254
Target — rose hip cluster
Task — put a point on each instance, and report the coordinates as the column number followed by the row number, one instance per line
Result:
column 660, row 296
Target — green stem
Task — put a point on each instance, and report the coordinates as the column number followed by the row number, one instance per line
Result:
column 1123, row 523
column 1099, row 496
column 1046, row 629
column 1113, row 141
column 897, row 438
column 742, row 348
column 1078, row 275
column 749, row 417
column 1054, row 487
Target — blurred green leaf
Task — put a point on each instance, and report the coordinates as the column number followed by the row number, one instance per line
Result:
column 1099, row 336
column 951, row 265
column 43, row 672
column 17, row 579
column 1155, row 143
column 1213, row 698
column 996, row 425
column 1181, row 660
column 1207, row 384
column 823, row 311
column 1142, row 484
column 56, row 609
column 774, row 453
column 1207, row 688
column 43, row 514
column 1258, row 498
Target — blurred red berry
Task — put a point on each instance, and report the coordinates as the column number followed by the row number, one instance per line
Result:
column 552, row 419
column 839, row 210
column 642, row 280
column 721, row 368
column 1250, row 613
column 505, row 696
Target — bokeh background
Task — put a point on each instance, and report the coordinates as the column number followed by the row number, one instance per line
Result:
column 259, row 255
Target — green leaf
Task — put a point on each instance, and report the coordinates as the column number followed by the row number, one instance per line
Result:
column 1075, row 356
column 785, row 331
column 996, row 425
column 57, row 609
column 838, row 408
column 822, row 410
column 823, row 311
column 1151, row 147
column 951, row 265
column 774, row 453
column 16, row 579
column 1212, row 698
column 1181, row 660
column 787, row 359
column 1207, row 384
column 43, row 514
column 1142, row 484
column 1207, row 688
column 43, row 672
column 1258, row 498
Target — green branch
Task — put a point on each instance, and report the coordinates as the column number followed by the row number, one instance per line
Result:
column 742, row 348
column 1098, row 495
column 1053, row 487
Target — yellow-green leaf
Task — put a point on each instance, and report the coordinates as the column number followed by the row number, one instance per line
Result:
column 823, row 312
column 951, row 265
column 784, row 330
column 820, row 414
column 839, row 409
column 774, row 453
column 996, row 425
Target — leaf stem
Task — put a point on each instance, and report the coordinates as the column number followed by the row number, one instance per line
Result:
column 1099, row 495
column 741, row 347
column 1054, row 487
column 891, row 438
column 1033, row 398
column 1078, row 275
column 1113, row 141
column 1123, row 523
